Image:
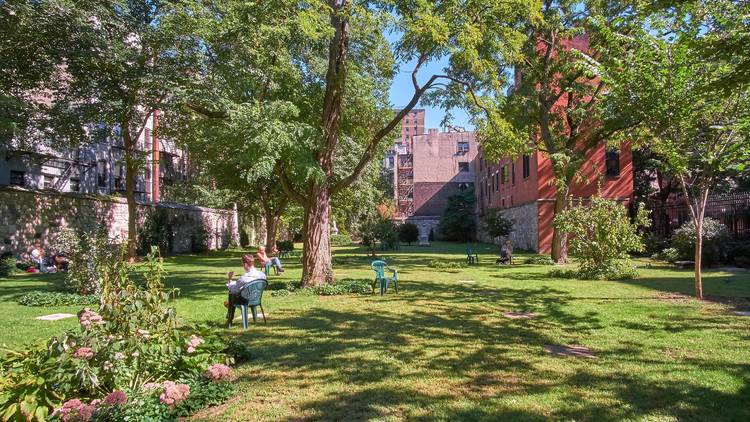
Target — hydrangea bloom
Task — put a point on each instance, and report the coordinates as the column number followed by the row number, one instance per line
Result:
column 193, row 343
column 90, row 318
column 116, row 397
column 84, row 353
column 174, row 393
column 218, row 372
column 76, row 410
column 119, row 356
column 151, row 386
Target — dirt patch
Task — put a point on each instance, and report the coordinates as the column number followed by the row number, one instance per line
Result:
column 519, row 315
column 574, row 351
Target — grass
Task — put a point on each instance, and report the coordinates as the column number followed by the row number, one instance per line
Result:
column 441, row 349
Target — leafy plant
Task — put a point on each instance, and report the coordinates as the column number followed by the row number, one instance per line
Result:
column 285, row 245
column 495, row 225
column 715, row 241
column 539, row 260
column 7, row 266
column 602, row 236
column 450, row 266
column 382, row 230
column 40, row 298
column 457, row 222
column 341, row 239
column 408, row 233
column 667, row 254
column 156, row 231
column 90, row 255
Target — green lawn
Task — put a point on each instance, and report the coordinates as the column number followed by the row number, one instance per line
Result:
column 441, row 349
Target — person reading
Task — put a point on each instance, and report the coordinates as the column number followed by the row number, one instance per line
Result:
column 267, row 261
column 234, row 286
column 506, row 254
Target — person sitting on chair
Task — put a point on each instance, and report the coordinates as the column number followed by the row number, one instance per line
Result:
column 268, row 262
column 234, row 286
column 506, row 254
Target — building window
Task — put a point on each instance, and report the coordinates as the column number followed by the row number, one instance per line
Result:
column 75, row 185
column 513, row 173
column 101, row 174
column 526, row 166
column 463, row 147
column 48, row 182
column 119, row 179
column 17, row 178
column 463, row 167
column 612, row 159
column 463, row 186
column 504, row 174
column 147, row 139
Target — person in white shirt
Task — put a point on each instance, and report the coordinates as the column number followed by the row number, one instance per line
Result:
column 234, row 286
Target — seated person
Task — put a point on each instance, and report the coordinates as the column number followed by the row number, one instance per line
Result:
column 60, row 261
column 40, row 260
column 234, row 286
column 266, row 261
column 506, row 254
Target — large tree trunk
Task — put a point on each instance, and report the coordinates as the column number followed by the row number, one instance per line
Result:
column 559, row 237
column 130, row 172
column 316, row 253
column 272, row 228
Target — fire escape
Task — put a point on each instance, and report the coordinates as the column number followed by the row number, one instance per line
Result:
column 405, row 186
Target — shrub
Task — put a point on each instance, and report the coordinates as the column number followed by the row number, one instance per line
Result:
column 602, row 236
column 341, row 287
column 38, row 298
column 408, row 233
column 131, row 342
column 496, row 225
column 457, row 222
column 450, row 266
column 285, row 245
column 667, row 254
column 341, row 239
column 739, row 252
column 199, row 239
column 382, row 230
column 156, row 231
column 7, row 265
column 655, row 243
column 89, row 258
column 715, row 241
column 539, row 260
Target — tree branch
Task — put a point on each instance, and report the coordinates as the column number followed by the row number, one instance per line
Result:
column 286, row 186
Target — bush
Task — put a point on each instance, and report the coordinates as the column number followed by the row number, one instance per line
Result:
column 285, row 245
column 90, row 256
column 457, row 222
column 668, row 255
column 408, row 233
column 715, row 241
column 655, row 243
column 739, row 252
column 602, row 236
column 156, row 231
column 38, row 298
column 496, row 225
column 131, row 345
column 199, row 239
column 341, row 239
column 341, row 287
column 450, row 266
column 382, row 230
column 539, row 260
column 7, row 266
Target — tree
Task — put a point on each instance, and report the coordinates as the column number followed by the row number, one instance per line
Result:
column 408, row 232
column 496, row 225
column 457, row 221
column 700, row 130
column 330, row 61
column 118, row 63
column 557, row 105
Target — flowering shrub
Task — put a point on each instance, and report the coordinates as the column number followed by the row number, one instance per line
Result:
column 218, row 372
column 129, row 346
column 90, row 257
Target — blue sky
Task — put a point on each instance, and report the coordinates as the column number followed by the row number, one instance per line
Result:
column 402, row 91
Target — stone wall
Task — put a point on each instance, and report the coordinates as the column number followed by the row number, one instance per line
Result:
column 525, row 233
column 27, row 216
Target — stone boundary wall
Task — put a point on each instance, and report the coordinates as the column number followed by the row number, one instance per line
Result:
column 525, row 233
column 30, row 215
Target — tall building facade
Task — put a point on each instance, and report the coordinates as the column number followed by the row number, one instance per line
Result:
column 96, row 168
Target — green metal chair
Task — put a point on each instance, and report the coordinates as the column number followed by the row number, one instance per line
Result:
column 471, row 256
column 380, row 267
column 252, row 292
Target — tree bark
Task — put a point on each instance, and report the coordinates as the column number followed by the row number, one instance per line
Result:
column 316, row 253
column 699, row 259
column 130, row 172
column 559, row 237
column 272, row 226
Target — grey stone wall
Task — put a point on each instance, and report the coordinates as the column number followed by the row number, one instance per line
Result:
column 525, row 233
column 27, row 216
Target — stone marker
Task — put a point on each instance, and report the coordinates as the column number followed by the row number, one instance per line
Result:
column 575, row 351
column 466, row 281
column 519, row 315
column 54, row 317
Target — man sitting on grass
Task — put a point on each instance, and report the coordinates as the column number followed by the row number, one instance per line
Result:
column 234, row 286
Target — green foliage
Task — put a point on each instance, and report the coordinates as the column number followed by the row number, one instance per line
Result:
column 341, row 239
column 457, row 222
column 8, row 266
column 496, row 225
column 449, row 266
column 667, row 254
column 602, row 236
column 715, row 241
column 199, row 238
column 408, row 233
column 381, row 231
column 41, row 298
column 285, row 245
column 90, row 256
column 342, row 287
column 740, row 253
column 156, row 231
column 539, row 260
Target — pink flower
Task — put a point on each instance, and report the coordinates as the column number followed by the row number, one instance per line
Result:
column 193, row 343
column 151, row 386
column 75, row 410
column 90, row 318
column 84, row 353
column 174, row 393
column 218, row 372
column 116, row 397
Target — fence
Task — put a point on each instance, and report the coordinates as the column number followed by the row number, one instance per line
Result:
column 732, row 210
